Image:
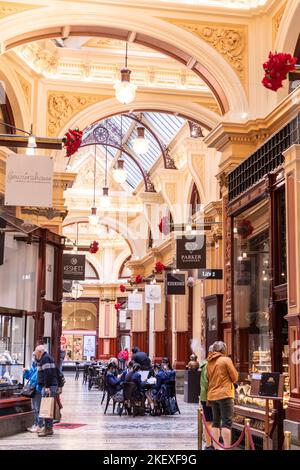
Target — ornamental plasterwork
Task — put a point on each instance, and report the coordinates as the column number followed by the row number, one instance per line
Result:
column 209, row 103
column 26, row 87
column 9, row 8
column 198, row 163
column 230, row 40
column 61, row 107
column 276, row 20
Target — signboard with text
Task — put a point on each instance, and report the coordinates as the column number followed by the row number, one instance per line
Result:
column 135, row 302
column 191, row 252
column 210, row 273
column 175, row 284
column 73, row 267
column 29, row 181
column 152, row 294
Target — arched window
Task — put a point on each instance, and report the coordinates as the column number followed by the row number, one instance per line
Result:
column 195, row 200
column 6, row 114
column 124, row 272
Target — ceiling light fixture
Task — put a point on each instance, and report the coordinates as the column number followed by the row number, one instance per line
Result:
column 31, row 144
column 119, row 173
column 105, row 200
column 93, row 218
column 124, row 89
column 140, row 143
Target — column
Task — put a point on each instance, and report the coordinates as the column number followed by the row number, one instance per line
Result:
column 292, row 188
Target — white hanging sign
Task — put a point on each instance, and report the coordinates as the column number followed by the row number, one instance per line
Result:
column 135, row 302
column 152, row 294
column 29, row 181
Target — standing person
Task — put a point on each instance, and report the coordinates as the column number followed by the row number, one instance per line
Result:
column 221, row 375
column 141, row 358
column 31, row 376
column 48, row 380
column 207, row 410
column 123, row 357
column 62, row 355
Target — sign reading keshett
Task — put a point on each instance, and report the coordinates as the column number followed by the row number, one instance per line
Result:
column 175, row 284
column 191, row 252
column 74, row 267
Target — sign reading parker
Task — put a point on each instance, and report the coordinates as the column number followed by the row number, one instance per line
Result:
column 74, row 267
column 175, row 284
column 191, row 252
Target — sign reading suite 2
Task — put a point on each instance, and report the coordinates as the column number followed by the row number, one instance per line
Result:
column 191, row 252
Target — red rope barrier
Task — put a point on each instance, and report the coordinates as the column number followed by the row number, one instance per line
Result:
column 248, row 430
column 236, row 444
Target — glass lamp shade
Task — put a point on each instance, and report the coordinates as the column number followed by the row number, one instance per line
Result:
column 105, row 200
column 76, row 291
column 119, row 173
column 124, row 89
column 93, row 218
column 30, row 151
column 141, row 144
column 31, row 142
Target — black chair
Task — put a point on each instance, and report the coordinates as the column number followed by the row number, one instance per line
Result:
column 93, row 376
column 85, row 373
column 110, row 392
column 134, row 400
column 171, row 390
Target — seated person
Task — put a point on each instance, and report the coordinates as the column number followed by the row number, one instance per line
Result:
column 168, row 369
column 126, row 371
column 112, row 382
column 141, row 358
column 161, row 377
column 135, row 377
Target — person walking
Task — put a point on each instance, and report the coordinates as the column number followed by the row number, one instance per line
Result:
column 141, row 358
column 31, row 376
column 222, row 375
column 47, row 378
column 123, row 357
column 207, row 410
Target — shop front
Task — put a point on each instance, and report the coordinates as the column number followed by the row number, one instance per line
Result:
column 259, row 282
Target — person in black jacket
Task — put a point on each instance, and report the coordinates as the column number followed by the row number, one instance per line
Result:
column 141, row 358
column 112, row 382
column 47, row 378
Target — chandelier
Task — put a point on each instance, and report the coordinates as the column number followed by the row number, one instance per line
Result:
column 124, row 89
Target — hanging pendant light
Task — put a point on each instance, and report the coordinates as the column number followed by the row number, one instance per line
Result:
column 119, row 173
column 140, row 144
column 31, row 145
column 105, row 200
column 93, row 218
column 125, row 90
column 77, row 290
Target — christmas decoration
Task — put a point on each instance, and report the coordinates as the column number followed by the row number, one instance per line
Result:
column 118, row 306
column 276, row 69
column 159, row 267
column 72, row 141
column 122, row 288
column 138, row 279
column 94, row 247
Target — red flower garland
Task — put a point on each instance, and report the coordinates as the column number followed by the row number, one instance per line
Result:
column 94, row 247
column 164, row 225
column 138, row 279
column 118, row 306
column 122, row 288
column 276, row 69
column 159, row 267
column 72, row 141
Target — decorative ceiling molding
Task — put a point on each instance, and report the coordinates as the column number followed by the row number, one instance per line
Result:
column 26, row 87
column 276, row 20
column 62, row 106
column 230, row 40
column 9, row 8
column 209, row 102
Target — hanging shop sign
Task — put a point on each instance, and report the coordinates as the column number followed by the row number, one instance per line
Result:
column 191, row 252
column 135, row 302
column 73, row 267
column 175, row 284
column 210, row 273
column 152, row 294
column 29, row 181
column 89, row 346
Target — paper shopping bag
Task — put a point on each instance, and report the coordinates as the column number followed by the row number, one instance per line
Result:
column 47, row 408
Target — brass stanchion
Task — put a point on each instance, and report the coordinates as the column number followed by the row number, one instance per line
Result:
column 247, row 437
column 200, row 426
column 287, row 440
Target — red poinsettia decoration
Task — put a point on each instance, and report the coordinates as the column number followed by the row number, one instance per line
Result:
column 118, row 306
column 164, row 225
column 159, row 267
column 276, row 69
column 94, row 247
column 122, row 288
column 138, row 279
column 245, row 228
column 72, row 141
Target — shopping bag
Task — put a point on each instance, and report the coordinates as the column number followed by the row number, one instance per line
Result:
column 47, row 408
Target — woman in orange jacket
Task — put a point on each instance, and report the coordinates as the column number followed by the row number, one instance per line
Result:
column 221, row 375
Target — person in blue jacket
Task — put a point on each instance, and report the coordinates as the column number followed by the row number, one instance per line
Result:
column 126, row 371
column 112, row 382
column 31, row 376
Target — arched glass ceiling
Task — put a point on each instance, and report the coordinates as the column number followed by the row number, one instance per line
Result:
column 164, row 126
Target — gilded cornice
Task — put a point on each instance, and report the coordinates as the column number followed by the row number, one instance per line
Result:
column 230, row 40
column 26, row 87
column 62, row 106
column 9, row 8
column 276, row 20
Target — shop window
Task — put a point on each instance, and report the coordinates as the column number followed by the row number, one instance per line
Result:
column 12, row 349
column 195, row 200
column 79, row 316
column 251, row 289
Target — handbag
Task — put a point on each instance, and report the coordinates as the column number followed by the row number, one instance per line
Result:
column 47, row 408
column 28, row 390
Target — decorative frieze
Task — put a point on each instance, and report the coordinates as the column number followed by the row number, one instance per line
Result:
column 10, row 8
column 276, row 20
